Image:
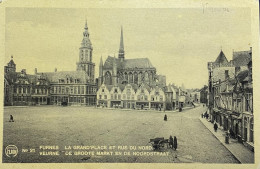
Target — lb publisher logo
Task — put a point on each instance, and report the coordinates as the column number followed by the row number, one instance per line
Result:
column 11, row 151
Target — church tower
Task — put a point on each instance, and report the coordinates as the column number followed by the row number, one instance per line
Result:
column 85, row 55
column 11, row 66
column 121, row 53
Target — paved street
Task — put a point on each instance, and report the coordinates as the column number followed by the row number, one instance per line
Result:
column 63, row 126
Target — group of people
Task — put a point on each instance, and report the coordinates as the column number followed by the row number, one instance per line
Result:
column 173, row 142
column 206, row 115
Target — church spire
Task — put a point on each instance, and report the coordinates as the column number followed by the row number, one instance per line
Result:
column 86, row 41
column 121, row 53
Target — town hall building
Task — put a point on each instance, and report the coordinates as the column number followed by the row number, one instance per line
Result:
column 59, row 87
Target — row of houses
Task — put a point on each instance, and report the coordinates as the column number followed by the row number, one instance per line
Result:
column 231, row 95
column 132, row 96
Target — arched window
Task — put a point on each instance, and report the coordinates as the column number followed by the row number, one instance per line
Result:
column 146, row 76
column 126, row 77
column 135, row 78
column 108, row 78
column 131, row 77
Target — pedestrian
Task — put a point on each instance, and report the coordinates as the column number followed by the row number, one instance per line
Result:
column 175, row 143
column 171, row 142
column 165, row 117
column 11, row 118
column 215, row 127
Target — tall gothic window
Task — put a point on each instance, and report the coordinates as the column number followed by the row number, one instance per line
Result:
column 130, row 77
column 108, row 78
column 126, row 77
column 135, row 78
column 146, row 76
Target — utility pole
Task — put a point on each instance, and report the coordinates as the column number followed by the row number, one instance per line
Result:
column 211, row 93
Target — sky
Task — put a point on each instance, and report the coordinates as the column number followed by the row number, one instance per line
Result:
column 178, row 41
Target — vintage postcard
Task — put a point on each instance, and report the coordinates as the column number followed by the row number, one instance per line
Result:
column 117, row 83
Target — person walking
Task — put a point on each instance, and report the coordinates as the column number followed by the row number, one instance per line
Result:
column 171, row 142
column 175, row 143
column 215, row 127
column 11, row 118
column 165, row 117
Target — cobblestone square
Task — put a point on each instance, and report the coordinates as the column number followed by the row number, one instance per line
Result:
column 84, row 126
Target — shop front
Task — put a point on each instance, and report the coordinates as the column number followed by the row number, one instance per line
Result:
column 142, row 105
column 157, row 105
column 248, row 130
column 236, row 123
column 116, row 104
column 102, row 103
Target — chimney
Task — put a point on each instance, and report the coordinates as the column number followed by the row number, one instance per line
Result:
column 35, row 71
column 55, row 70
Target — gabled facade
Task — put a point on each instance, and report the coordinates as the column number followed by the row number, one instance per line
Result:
column 231, row 91
column 103, row 96
column 157, row 98
column 129, row 96
column 143, row 99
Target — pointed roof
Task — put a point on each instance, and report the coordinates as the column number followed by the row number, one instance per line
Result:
column 86, row 41
column 121, row 47
column 86, row 25
column 221, row 59
column 11, row 62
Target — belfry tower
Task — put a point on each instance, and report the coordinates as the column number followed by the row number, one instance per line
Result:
column 121, row 52
column 85, row 55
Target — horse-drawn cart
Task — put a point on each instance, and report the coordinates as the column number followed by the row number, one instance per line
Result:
column 159, row 142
